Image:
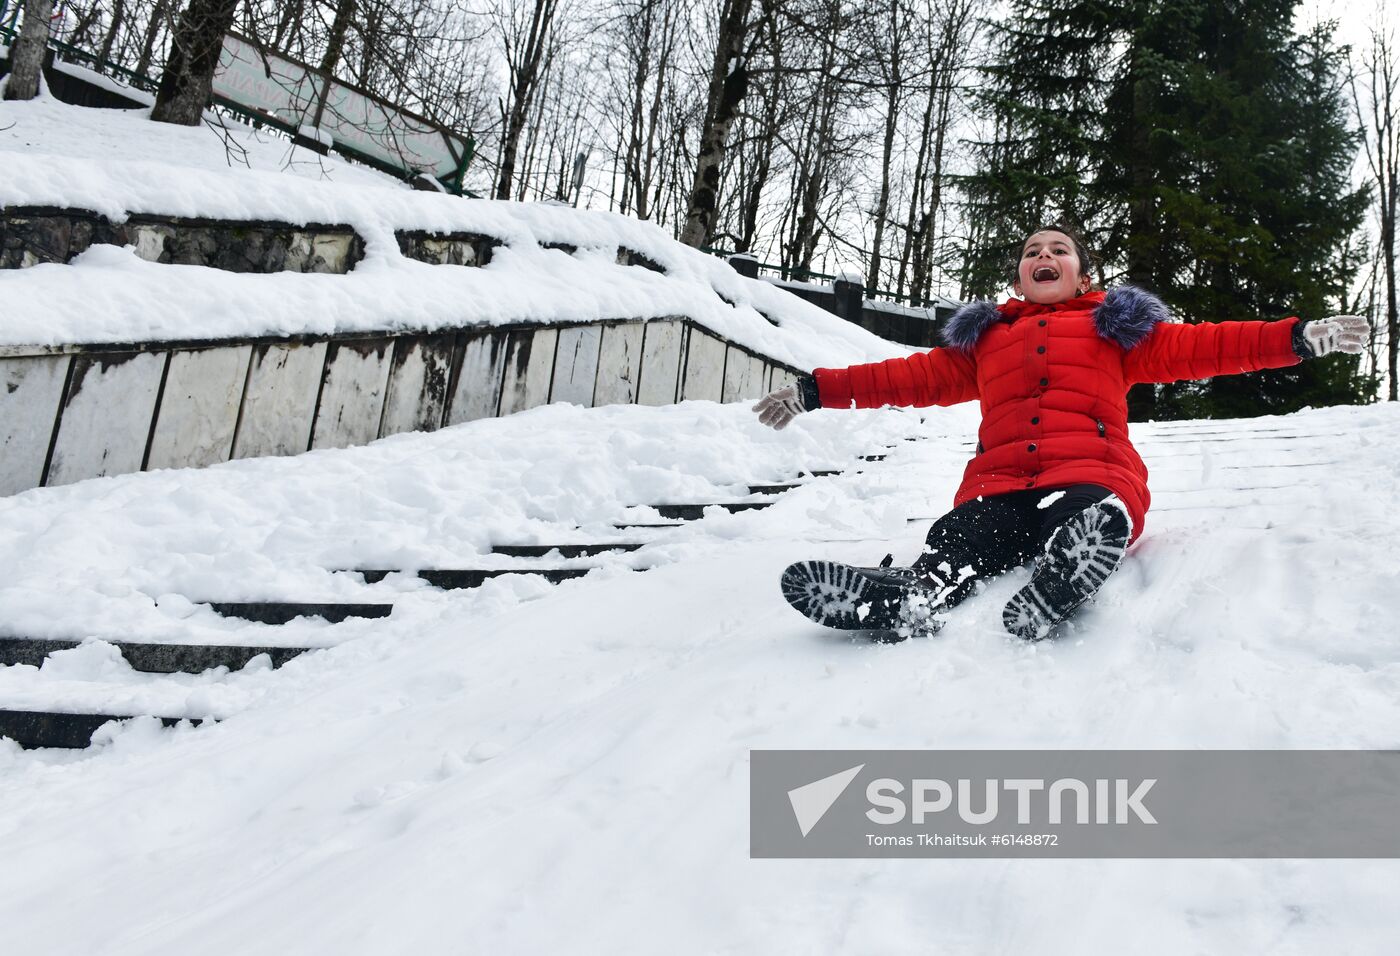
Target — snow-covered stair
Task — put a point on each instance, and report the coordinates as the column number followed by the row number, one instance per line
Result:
column 496, row 744
column 39, row 712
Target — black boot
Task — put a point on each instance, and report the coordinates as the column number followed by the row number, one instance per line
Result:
column 896, row 600
column 1078, row 558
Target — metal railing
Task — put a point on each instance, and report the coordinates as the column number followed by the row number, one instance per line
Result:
column 795, row 274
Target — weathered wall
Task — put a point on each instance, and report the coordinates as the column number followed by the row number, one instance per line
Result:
column 30, row 235
column 84, row 411
column 80, row 412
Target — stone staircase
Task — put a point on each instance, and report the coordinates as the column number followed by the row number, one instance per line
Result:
column 557, row 562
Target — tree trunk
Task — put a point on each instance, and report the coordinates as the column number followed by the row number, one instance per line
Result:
column 765, row 149
column 79, row 36
column 524, row 79
column 632, row 166
column 194, row 55
column 291, row 16
column 1392, row 314
column 148, row 43
column 644, row 185
column 335, row 45
column 916, row 197
column 1142, row 398
column 882, row 202
column 894, row 93
column 729, row 84
column 369, row 52
column 118, row 13
column 27, row 55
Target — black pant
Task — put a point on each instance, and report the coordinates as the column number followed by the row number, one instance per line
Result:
column 990, row 536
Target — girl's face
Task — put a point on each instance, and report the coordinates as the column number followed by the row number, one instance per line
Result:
column 1050, row 270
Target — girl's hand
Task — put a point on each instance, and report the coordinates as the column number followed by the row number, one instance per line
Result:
column 781, row 406
column 1340, row 333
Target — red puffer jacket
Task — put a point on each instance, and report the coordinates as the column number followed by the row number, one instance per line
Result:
column 1053, row 383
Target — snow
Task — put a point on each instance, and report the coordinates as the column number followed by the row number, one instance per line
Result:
column 59, row 155
column 527, row 767
column 489, row 770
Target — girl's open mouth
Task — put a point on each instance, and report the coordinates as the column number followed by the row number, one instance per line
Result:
column 1044, row 274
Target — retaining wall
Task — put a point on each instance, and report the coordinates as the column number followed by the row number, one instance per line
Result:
column 74, row 412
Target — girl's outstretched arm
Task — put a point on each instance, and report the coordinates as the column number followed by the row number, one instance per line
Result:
column 1173, row 352
column 937, row 377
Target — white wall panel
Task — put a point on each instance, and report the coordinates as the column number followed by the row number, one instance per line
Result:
column 418, row 382
column 280, row 401
column 352, row 395
column 780, row 377
column 477, row 393
column 661, row 357
column 529, row 367
column 704, row 367
column 619, row 364
column 107, row 413
column 576, row 365
column 30, row 392
column 743, row 376
column 198, row 411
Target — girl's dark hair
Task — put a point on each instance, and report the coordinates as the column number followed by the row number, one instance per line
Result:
column 1086, row 258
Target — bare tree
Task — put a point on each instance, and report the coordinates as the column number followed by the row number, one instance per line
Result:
column 160, row 16
column 340, row 27
column 527, row 37
column 194, row 54
column 949, row 33
column 27, row 56
column 1378, row 109
column 113, row 29
column 890, row 23
column 729, row 84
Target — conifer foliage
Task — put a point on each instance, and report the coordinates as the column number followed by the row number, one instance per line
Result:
column 1203, row 148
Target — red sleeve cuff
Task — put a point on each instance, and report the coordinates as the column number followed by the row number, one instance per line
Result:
column 834, row 387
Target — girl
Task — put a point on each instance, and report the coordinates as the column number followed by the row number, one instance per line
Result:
column 1055, row 476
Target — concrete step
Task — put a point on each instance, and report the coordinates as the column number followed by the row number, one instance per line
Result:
column 696, row 512
column 152, row 658
column 280, row 612
column 31, row 728
column 460, row 578
column 565, row 550
column 772, row 489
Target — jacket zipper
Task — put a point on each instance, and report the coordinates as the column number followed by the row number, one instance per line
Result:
column 1103, row 432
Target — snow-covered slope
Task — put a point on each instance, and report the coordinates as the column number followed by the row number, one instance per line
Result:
column 527, row 768
column 117, row 162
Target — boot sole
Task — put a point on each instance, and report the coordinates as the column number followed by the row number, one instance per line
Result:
column 835, row 595
column 1078, row 559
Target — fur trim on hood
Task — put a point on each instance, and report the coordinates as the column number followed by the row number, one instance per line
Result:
column 1126, row 316
column 965, row 326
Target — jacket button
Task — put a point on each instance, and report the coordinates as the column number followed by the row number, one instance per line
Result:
column 1044, row 381
column 1035, row 420
column 1042, row 323
column 1030, row 447
column 1041, row 350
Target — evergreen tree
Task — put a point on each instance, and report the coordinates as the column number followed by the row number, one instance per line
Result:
column 1043, row 96
column 1210, row 155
